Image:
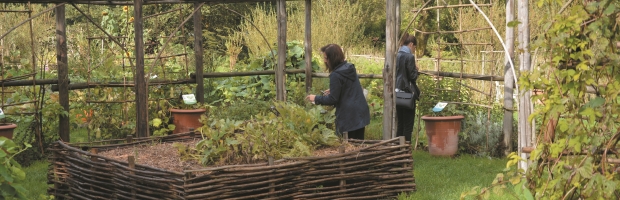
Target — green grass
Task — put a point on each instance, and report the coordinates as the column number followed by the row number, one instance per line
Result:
column 446, row 178
column 36, row 180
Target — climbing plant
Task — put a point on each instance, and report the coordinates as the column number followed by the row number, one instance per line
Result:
column 580, row 127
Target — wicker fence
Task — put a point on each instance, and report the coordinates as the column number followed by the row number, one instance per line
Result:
column 377, row 170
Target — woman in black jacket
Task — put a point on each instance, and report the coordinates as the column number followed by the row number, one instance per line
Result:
column 406, row 76
column 345, row 93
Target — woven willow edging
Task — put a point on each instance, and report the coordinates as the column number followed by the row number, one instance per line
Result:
column 378, row 170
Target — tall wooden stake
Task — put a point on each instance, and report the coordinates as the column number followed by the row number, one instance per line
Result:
column 142, row 120
column 391, row 40
column 198, row 54
column 63, row 72
column 525, row 130
column 308, row 46
column 508, row 78
column 280, row 76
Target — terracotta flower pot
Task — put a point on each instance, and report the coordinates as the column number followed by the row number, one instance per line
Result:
column 186, row 119
column 6, row 130
column 443, row 134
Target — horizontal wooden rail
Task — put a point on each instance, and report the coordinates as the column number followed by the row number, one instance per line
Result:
column 451, row 6
column 129, row 84
column 29, row 82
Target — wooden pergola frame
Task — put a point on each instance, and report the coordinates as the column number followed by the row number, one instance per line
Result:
column 140, row 85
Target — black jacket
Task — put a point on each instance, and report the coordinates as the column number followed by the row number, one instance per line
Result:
column 346, row 94
column 406, row 73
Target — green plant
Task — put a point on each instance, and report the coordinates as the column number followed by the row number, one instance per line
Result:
column 11, row 174
column 288, row 131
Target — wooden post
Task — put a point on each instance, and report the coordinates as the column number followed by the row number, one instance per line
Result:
column 525, row 102
column 508, row 78
column 308, row 46
column 391, row 40
column 129, row 139
column 198, row 55
column 342, row 150
column 282, row 48
column 63, row 72
column 142, row 127
column 131, row 160
column 272, row 188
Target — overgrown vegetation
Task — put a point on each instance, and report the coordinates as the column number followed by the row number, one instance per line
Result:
column 288, row 131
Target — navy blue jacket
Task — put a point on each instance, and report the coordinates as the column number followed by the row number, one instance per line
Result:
column 346, row 94
column 406, row 71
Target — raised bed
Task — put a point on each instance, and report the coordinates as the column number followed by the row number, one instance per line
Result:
column 377, row 169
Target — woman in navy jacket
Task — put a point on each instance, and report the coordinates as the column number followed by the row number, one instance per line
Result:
column 345, row 93
column 406, row 76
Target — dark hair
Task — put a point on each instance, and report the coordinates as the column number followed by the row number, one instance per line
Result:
column 334, row 55
column 406, row 39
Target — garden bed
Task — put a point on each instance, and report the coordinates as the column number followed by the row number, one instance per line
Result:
column 152, row 169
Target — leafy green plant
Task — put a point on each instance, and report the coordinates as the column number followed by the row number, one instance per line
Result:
column 288, row 131
column 11, row 174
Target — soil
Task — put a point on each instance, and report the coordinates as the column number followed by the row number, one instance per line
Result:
column 167, row 157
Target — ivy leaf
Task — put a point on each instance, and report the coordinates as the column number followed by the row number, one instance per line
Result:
column 575, row 143
column 513, row 24
column 609, row 10
column 156, row 122
column 515, row 180
column 596, row 102
column 5, row 174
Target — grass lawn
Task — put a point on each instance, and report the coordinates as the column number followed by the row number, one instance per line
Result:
column 436, row 177
column 36, row 179
column 446, row 178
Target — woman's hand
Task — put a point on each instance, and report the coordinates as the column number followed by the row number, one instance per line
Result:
column 310, row 97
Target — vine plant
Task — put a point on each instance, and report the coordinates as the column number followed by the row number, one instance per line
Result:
column 580, row 134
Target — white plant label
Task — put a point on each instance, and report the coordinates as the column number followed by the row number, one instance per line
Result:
column 439, row 107
column 189, row 99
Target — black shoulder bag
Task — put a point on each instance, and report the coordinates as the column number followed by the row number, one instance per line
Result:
column 405, row 98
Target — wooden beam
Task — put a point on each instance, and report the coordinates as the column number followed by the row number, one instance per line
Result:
column 131, row 84
column 142, row 128
column 30, row 82
column 198, row 54
column 251, row 73
column 63, row 73
column 525, row 101
column 509, row 79
column 282, row 48
column 451, row 6
column 466, row 76
column 308, row 46
column 391, row 45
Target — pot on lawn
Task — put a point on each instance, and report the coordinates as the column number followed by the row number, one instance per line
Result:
column 185, row 119
column 6, row 130
column 443, row 134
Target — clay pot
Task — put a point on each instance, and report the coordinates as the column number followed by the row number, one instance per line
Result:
column 443, row 134
column 6, row 130
column 186, row 119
